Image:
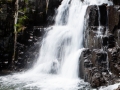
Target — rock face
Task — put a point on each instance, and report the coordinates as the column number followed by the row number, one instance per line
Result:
column 6, row 33
column 28, row 40
column 100, row 61
column 38, row 15
column 116, row 2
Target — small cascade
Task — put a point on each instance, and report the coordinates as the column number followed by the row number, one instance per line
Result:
column 62, row 45
column 99, row 33
column 99, row 27
column 100, row 37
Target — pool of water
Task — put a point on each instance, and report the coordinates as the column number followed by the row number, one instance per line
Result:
column 28, row 81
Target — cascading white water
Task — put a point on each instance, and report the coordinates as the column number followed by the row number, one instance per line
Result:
column 57, row 65
column 64, row 40
column 60, row 48
column 99, row 27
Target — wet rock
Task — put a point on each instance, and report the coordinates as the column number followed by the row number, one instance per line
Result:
column 117, row 37
column 84, row 62
column 92, row 39
column 116, row 2
column 94, row 68
column 114, row 59
column 92, row 15
column 87, row 63
column 104, row 46
column 118, row 88
column 97, row 80
column 105, row 41
column 103, row 15
column 113, row 19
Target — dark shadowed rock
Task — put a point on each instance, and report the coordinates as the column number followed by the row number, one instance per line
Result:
column 113, row 19
column 103, row 15
column 116, row 2
column 84, row 62
column 97, row 80
column 114, row 59
column 94, row 68
column 92, row 15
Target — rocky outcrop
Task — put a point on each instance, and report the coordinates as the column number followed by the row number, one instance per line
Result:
column 100, row 61
column 114, row 59
column 96, row 68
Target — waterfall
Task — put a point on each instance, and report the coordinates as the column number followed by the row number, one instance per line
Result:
column 57, row 65
column 62, row 45
column 99, row 27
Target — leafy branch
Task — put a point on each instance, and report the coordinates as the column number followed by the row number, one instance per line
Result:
column 20, row 25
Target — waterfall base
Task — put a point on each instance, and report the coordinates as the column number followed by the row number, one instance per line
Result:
column 30, row 81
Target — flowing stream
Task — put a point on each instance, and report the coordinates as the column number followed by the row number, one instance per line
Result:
column 57, row 65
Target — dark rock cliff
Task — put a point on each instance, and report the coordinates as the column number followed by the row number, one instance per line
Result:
column 6, row 33
column 100, row 61
column 38, row 15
